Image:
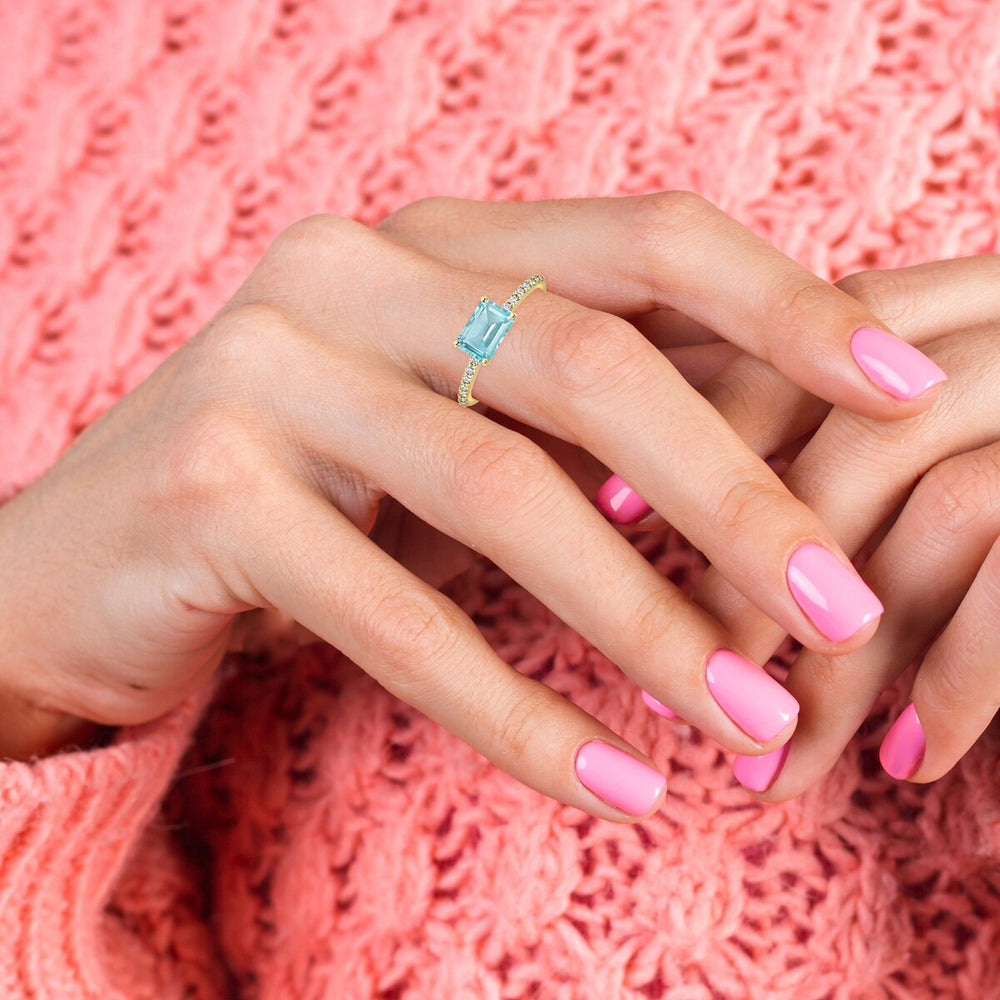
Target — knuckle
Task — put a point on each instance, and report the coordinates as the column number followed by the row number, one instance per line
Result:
column 945, row 688
column 236, row 341
column 235, row 358
column 344, row 250
column 422, row 216
column 745, row 508
column 314, row 232
column 663, row 224
column 744, row 393
column 887, row 448
column 412, row 633
column 210, row 440
column 655, row 618
column 800, row 298
column 824, row 675
column 207, row 462
column 955, row 492
column 516, row 726
column 668, row 210
column 884, row 293
column 589, row 356
column 493, row 473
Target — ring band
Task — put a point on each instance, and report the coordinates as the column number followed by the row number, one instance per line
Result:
column 485, row 330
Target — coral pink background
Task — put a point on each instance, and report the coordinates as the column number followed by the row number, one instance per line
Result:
column 340, row 845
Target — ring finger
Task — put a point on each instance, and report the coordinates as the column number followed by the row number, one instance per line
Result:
column 423, row 649
column 589, row 378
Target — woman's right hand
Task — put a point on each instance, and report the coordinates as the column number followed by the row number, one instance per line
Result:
column 919, row 497
column 249, row 470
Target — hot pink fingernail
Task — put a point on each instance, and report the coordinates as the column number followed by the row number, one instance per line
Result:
column 618, row 778
column 903, row 748
column 831, row 593
column 892, row 364
column 621, row 503
column 758, row 773
column 749, row 695
column 658, row 706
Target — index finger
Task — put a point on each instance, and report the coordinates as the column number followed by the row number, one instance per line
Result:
column 676, row 250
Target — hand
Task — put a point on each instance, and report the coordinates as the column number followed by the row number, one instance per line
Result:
column 923, row 495
column 250, row 470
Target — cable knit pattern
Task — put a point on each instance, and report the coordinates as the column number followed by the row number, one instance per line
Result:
column 324, row 840
column 68, row 825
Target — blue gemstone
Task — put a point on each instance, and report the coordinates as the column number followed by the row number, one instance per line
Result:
column 487, row 327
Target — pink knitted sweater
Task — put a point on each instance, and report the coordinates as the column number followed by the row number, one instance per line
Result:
column 297, row 833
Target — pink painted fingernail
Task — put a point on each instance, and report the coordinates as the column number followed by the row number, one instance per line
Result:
column 831, row 593
column 658, row 706
column 618, row 778
column 903, row 748
column 892, row 364
column 621, row 503
column 758, row 773
column 749, row 695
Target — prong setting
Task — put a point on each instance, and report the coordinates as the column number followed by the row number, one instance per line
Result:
column 485, row 330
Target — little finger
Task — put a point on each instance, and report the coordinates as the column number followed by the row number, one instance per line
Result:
column 956, row 692
column 420, row 646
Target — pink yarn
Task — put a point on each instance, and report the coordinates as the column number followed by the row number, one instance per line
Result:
column 322, row 839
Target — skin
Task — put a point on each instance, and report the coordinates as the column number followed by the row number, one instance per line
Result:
column 919, row 498
column 304, row 455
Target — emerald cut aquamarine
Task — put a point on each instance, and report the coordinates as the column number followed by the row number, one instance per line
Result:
column 484, row 332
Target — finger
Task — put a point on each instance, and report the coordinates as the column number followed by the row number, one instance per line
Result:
column 928, row 301
column 956, row 693
column 590, row 379
column 587, row 378
column 666, row 328
column 922, row 303
column 922, row 570
column 491, row 489
column 677, row 251
column 700, row 363
column 856, row 473
column 503, row 496
column 423, row 649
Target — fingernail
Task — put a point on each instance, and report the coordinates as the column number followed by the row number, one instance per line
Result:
column 892, row 364
column 658, row 706
column 834, row 597
column 620, row 502
column 618, row 778
column 903, row 748
column 758, row 773
column 749, row 695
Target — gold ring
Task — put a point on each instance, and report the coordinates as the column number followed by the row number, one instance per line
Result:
column 485, row 330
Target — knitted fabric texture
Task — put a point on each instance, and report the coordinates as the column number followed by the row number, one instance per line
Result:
column 322, row 839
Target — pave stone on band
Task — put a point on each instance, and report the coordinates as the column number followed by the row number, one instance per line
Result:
column 485, row 330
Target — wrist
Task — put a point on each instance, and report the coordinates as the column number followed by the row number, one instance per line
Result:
column 28, row 731
column 26, row 728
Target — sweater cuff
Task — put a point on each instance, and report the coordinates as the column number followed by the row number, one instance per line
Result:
column 67, row 825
